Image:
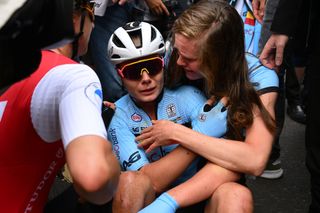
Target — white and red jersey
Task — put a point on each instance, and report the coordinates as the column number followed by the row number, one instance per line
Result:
column 58, row 102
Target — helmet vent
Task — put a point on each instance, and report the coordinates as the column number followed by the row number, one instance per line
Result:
column 118, row 42
column 161, row 45
column 114, row 56
column 136, row 37
column 153, row 33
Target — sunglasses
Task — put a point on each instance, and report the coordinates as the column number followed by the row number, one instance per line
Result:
column 134, row 70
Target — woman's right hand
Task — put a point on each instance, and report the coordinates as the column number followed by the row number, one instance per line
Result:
column 161, row 133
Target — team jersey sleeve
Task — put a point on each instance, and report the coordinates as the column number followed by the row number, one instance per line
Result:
column 263, row 79
column 67, row 104
column 191, row 100
column 209, row 122
column 123, row 142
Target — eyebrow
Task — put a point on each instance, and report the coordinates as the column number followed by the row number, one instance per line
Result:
column 186, row 57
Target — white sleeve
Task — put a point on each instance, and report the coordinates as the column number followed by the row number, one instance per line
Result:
column 67, row 104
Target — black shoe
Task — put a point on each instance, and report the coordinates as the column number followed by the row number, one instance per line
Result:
column 296, row 113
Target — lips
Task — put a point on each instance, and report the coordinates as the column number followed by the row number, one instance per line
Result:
column 147, row 91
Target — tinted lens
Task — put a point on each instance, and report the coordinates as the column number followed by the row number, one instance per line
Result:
column 133, row 71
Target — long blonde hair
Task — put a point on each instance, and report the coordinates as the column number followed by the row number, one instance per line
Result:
column 219, row 29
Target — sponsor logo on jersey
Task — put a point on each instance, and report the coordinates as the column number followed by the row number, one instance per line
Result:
column 115, row 142
column 153, row 157
column 44, row 181
column 171, row 110
column 176, row 120
column 94, row 93
column 136, row 117
column 248, row 32
column 132, row 159
column 202, row 117
column 138, row 129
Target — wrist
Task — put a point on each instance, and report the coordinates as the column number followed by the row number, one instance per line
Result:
column 178, row 131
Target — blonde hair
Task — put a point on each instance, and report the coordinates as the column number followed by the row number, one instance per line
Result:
column 219, row 30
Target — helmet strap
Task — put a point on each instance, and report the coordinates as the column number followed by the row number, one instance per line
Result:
column 75, row 43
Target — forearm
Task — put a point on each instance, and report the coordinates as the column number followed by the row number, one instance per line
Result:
column 167, row 169
column 94, row 168
column 105, row 192
column 244, row 157
column 202, row 185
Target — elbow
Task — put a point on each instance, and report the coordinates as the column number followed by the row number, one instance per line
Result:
column 97, row 184
column 257, row 171
column 257, row 166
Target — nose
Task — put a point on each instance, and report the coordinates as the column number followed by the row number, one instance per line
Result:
column 145, row 75
column 180, row 61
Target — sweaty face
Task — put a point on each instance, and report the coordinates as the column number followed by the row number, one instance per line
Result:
column 188, row 56
column 146, row 89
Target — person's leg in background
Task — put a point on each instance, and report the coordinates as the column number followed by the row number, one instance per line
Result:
column 295, row 68
column 293, row 91
column 273, row 169
column 114, row 17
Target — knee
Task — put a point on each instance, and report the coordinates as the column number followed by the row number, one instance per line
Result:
column 232, row 197
column 133, row 187
column 133, row 179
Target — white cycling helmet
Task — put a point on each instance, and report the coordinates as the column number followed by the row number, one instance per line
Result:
column 121, row 46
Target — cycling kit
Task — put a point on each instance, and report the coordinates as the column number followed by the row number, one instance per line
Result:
column 35, row 115
column 182, row 105
column 252, row 28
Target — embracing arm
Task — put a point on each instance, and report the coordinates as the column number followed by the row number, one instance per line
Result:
column 253, row 152
column 167, row 169
column 93, row 167
column 161, row 171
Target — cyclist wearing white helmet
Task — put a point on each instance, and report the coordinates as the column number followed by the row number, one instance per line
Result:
column 52, row 116
column 137, row 51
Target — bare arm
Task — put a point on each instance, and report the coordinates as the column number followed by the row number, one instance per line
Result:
column 165, row 170
column 208, row 179
column 93, row 167
column 253, row 152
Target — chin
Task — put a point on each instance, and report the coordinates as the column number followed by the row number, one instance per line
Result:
column 193, row 76
column 149, row 99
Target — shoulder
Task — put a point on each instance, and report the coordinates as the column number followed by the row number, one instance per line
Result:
column 123, row 102
column 185, row 90
column 72, row 71
column 124, row 108
column 262, row 78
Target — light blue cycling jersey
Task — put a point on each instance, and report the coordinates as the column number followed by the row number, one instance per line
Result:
column 252, row 28
column 183, row 105
column 180, row 106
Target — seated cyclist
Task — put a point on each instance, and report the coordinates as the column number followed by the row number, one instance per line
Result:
column 136, row 50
